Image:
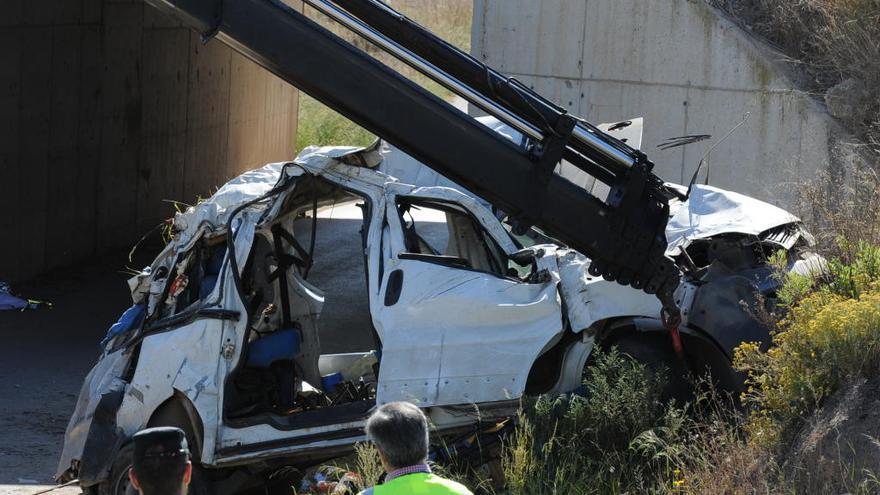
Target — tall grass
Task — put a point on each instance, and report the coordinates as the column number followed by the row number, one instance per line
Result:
column 594, row 443
column 449, row 19
column 618, row 437
column 621, row 438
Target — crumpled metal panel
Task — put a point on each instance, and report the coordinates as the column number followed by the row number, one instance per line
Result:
column 214, row 211
column 455, row 336
column 712, row 211
column 589, row 299
column 104, row 378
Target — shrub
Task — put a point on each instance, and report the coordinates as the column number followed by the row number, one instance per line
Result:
column 842, row 209
column 828, row 338
column 619, row 438
column 857, row 271
column 794, row 286
column 613, row 439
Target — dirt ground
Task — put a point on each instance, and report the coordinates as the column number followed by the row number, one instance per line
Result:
column 843, row 438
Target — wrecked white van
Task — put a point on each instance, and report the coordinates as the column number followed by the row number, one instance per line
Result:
column 226, row 337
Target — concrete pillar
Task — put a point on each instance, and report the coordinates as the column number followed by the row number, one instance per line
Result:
column 108, row 110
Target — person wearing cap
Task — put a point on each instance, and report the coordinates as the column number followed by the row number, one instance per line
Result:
column 400, row 432
column 161, row 464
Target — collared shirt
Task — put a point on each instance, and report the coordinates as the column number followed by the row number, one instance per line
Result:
column 417, row 468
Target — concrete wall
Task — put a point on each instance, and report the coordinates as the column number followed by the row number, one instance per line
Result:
column 677, row 63
column 107, row 109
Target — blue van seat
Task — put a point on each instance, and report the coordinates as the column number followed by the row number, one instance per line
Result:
column 279, row 345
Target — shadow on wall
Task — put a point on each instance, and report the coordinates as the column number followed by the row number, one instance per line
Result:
column 110, row 109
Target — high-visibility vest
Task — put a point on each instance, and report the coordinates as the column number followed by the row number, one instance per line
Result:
column 421, row 484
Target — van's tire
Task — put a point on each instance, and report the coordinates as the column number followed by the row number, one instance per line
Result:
column 118, row 483
column 171, row 413
column 655, row 351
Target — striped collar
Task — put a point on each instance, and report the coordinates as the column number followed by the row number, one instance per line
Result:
column 397, row 473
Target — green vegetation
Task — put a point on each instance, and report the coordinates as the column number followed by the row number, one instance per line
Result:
column 830, row 338
column 319, row 125
column 620, row 438
column 596, row 443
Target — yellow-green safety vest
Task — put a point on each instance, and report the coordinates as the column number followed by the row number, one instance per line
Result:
column 420, row 484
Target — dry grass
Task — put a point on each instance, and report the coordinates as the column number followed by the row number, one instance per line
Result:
column 835, row 43
column 841, row 209
column 835, row 46
column 449, row 19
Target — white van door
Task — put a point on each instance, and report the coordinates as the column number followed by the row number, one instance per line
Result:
column 457, row 324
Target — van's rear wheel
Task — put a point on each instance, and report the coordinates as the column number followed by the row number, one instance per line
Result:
column 655, row 352
column 118, row 483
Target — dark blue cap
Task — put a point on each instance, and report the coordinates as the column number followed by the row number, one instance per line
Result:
column 163, row 442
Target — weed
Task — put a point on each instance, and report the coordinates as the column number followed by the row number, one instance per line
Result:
column 606, row 441
column 319, row 125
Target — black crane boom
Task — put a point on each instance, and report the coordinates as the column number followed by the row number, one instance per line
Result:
column 624, row 235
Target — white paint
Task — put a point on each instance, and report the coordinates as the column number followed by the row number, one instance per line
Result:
column 590, row 299
column 103, row 378
column 710, row 211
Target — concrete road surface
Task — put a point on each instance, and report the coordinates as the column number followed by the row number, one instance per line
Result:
column 44, row 356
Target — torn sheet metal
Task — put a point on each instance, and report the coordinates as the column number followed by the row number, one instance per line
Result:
column 451, row 335
column 589, row 299
column 711, row 211
column 105, row 378
column 215, row 210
